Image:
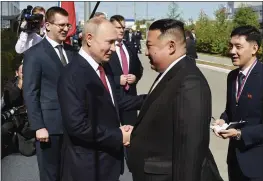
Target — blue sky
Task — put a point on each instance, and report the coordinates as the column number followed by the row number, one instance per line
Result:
column 155, row 9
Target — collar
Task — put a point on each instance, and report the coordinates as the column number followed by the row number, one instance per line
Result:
column 245, row 71
column 52, row 42
column 89, row 59
column 172, row 64
column 116, row 42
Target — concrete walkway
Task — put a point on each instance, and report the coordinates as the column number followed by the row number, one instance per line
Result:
column 214, row 59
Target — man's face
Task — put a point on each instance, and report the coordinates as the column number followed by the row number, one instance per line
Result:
column 241, row 50
column 103, row 43
column 19, row 72
column 59, row 28
column 119, row 26
column 156, row 50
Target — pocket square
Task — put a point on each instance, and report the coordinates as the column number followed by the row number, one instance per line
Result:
column 249, row 96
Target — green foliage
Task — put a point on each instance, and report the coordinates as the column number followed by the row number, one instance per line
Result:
column 8, row 41
column 245, row 16
column 213, row 35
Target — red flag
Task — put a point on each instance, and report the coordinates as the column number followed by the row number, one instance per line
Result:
column 70, row 8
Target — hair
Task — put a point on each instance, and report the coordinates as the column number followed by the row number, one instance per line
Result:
column 38, row 8
column 91, row 26
column 117, row 18
column 169, row 27
column 54, row 10
column 251, row 33
column 97, row 14
column 17, row 61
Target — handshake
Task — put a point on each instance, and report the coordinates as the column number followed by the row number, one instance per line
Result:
column 126, row 133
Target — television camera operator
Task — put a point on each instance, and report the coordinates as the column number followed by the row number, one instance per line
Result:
column 31, row 28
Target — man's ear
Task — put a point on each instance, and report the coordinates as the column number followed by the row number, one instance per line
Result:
column 255, row 48
column 172, row 47
column 89, row 38
column 47, row 25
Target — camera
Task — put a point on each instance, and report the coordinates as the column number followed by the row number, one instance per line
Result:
column 6, row 116
column 33, row 20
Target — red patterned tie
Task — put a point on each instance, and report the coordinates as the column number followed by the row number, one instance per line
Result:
column 124, row 61
column 103, row 77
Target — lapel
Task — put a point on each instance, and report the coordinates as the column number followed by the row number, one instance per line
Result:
column 160, row 87
column 233, row 92
column 69, row 51
column 52, row 53
column 251, row 84
column 130, row 56
column 85, row 63
column 116, row 61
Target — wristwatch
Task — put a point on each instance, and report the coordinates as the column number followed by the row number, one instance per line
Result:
column 238, row 136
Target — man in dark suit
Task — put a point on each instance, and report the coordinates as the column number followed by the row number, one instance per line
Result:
column 93, row 139
column 190, row 45
column 138, row 38
column 126, row 67
column 42, row 66
column 244, row 102
column 170, row 141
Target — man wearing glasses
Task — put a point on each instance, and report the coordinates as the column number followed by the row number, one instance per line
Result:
column 42, row 66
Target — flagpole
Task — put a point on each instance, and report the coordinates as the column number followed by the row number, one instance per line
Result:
column 58, row 3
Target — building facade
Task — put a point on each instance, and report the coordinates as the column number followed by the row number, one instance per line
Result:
column 232, row 7
column 8, row 10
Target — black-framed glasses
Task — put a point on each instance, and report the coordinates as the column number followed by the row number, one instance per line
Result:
column 62, row 26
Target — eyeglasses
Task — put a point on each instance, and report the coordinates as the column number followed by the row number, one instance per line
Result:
column 62, row 26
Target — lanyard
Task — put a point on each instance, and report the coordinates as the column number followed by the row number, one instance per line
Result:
column 244, row 81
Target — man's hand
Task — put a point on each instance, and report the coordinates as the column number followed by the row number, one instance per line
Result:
column 20, row 83
column 126, row 132
column 23, row 24
column 42, row 135
column 228, row 133
column 123, row 79
column 131, row 78
column 219, row 122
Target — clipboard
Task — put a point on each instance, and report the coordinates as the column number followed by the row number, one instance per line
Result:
column 236, row 125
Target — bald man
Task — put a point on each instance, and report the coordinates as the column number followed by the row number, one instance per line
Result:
column 93, row 138
column 170, row 141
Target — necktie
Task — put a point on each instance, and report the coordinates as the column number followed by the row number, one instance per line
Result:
column 124, row 61
column 62, row 57
column 241, row 77
column 103, row 77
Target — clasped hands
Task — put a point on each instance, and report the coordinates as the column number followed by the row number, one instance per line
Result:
column 129, row 78
column 224, row 133
column 126, row 132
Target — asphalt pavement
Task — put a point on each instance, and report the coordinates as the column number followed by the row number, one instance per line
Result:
column 20, row 168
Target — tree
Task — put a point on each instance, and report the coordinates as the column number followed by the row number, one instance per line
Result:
column 245, row 16
column 174, row 11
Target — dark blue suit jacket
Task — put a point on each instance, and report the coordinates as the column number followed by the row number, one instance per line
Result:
column 249, row 150
column 92, row 146
column 41, row 70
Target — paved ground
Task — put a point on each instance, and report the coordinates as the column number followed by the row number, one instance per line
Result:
column 20, row 168
column 215, row 59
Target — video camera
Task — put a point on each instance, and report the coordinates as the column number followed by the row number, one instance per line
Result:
column 33, row 20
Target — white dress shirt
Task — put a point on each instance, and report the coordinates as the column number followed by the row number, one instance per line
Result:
column 54, row 44
column 119, row 53
column 26, row 41
column 246, row 74
column 165, row 72
column 95, row 66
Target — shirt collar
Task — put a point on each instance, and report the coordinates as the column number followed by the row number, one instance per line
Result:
column 90, row 60
column 52, row 42
column 116, row 42
column 245, row 71
column 172, row 64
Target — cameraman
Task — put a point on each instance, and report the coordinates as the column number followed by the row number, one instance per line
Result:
column 26, row 40
column 13, row 96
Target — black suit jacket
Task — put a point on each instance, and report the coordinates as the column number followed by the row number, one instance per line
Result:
column 135, row 67
column 249, row 149
column 170, row 141
column 41, row 70
column 190, row 48
column 92, row 145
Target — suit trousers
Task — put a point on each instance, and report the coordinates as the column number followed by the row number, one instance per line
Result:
column 48, row 157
